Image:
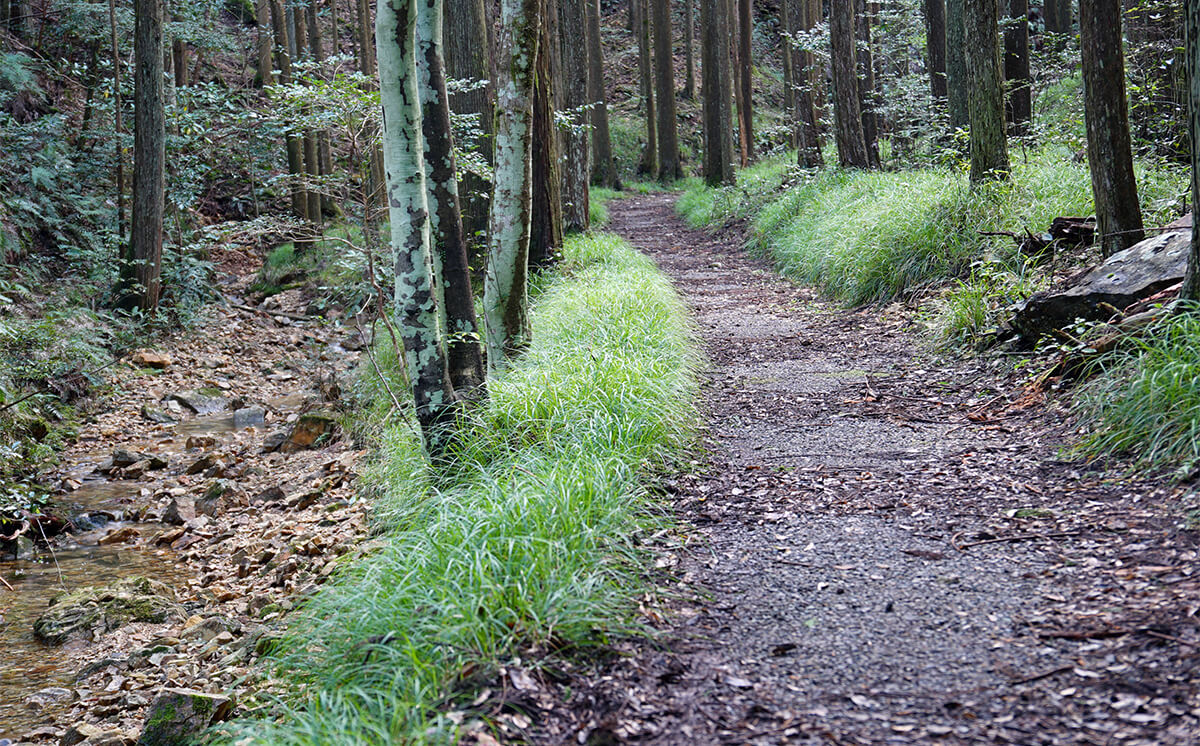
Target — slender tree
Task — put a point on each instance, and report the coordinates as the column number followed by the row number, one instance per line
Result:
column 648, row 164
column 787, row 27
column 689, row 56
column 717, row 81
column 807, row 133
column 505, row 299
column 745, row 67
column 262, row 18
column 847, row 104
column 669, row 167
column 469, row 57
column 956, row 64
column 546, row 231
column 604, row 168
column 935, row 47
column 863, row 17
column 985, row 102
column 142, row 268
column 295, row 144
column 118, row 118
column 576, row 162
column 1110, row 155
column 1191, row 281
column 417, row 293
column 1019, row 105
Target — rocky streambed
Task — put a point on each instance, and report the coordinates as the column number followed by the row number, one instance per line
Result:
column 211, row 496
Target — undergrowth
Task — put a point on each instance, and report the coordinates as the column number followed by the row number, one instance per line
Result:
column 532, row 538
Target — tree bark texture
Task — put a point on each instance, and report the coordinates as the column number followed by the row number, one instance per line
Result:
column 985, row 100
column 847, row 106
column 416, row 299
column 149, row 157
column 604, row 169
column 468, row 57
column 546, row 229
column 1191, row 23
column 787, row 27
column 1110, row 155
column 505, row 295
column 745, row 68
column 689, row 54
column 576, row 161
column 804, row 16
column 295, row 145
column 118, row 118
column 1019, row 106
column 716, row 79
column 464, row 356
column 262, row 16
column 669, row 167
column 956, row 64
column 935, row 47
column 866, row 81
column 641, row 14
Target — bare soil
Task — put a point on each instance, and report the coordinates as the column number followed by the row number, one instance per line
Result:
column 882, row 546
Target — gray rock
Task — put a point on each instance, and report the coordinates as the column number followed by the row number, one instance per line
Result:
column 77, row 612
column 273, row 441
column 248, row 417
column 179, row 511
column 159, row 415
column 177, row 715
column 49, row 696
column 1124, row 278
column 204, row 401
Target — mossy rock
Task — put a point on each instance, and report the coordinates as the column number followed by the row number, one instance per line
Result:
column 312, row 430
column 75, row 613
column 178, row 716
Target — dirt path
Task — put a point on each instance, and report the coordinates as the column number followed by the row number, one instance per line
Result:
column 883, row 548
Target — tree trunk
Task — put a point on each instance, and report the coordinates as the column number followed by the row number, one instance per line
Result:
column 295, row 145
column 416, row 300
column 807, row 131
column 641, row 12
column 324, row 160
column 468, row 57
column 546, row 229
column 141, row 272
column 985, row 102
column 847, row 107
column 745, row 66
column 1191, row 281
column 118, row 120
column 604, row 168
column 956, row 64
column 716, row 75
column 787, row 27
column 576, row 162
column 935, row 46
column 1110, row 156
column 866, row 82
column 814, row 14
column 262, row 17
column 1019, row 106
column 669, row 167
column 689, row 55
column 463, row 352
column 505, row 295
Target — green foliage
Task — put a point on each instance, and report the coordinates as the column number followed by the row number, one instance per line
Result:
column 968, row 311
column 1146, row 404
column 532, row 536
column 598, row 199
column 870, row 236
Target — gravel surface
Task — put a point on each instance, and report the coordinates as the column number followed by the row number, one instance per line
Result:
column 882, row 547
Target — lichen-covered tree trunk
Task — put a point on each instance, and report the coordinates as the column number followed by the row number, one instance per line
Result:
column 451, row 270
column 669, row 167
column 648, row 164
column 1110, row 155
column 576, row 162
column 847, row 104
column 546, row 229
column 935, row 47
column 1191, row 33
column 468, row 57
column 505, row 295
column 716, row 79
column 416, row 299
column 141, row 272
column 604, row 168
column 1019, row 106
column 985, row 99
column 956, row 65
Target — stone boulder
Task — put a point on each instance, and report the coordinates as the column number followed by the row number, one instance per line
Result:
column 177, row 716
column 202, row 401
column 75, row 613
column 1126, row 277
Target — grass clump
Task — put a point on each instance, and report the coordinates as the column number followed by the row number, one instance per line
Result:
column 1145, row 405
column 533, row 536
column 598, row 199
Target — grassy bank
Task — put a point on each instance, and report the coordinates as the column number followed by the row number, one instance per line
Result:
column 536, row 537
column 871, row 236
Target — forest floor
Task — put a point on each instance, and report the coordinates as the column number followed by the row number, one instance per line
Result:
column 882, row 546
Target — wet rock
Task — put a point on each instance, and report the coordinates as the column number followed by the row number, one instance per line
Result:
column 77, row 612
column 122, row 458
column 179, row 511
column 151, row 413
column 248, row 417
column 312, row 430
column 177, row 715
column 204, row 463
column 119, row 536
column 87, row 732
column 202, row 401
column 1121, row 280
column 168, row 537
column 155, row 463
column 149, row 359
column 273, row 441
column 200, row 441
column 49, row 696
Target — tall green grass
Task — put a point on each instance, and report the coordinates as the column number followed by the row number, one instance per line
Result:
column 534, row 537
column 1146, row 404
column 869, row 236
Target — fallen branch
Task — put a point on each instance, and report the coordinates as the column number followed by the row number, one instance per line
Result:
column 1011, row 539
column 6, row 585
column 264, row 312
column 1042, row 675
